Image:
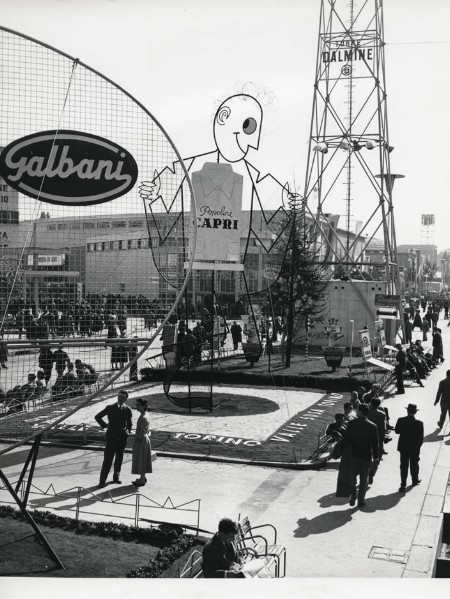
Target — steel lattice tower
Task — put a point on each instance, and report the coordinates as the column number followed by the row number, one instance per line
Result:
column 348, row 167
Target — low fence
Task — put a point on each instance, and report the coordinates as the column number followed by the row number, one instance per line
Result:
column 135, row 509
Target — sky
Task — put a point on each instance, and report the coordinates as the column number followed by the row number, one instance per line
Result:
column 181, row 58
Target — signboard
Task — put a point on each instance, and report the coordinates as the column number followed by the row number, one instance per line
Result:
column 51, row 260
column 428, row 220
column 68, row 167
column 366, row 349
column 218, row 191
column 9, row 198
column 387, row 300
column 9, row 214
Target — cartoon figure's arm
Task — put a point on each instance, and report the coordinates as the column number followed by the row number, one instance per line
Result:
column 272, row 199
column 162, row 194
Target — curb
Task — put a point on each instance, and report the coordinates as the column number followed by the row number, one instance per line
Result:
column 306, row 465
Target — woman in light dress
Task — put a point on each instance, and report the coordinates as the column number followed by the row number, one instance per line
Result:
column 142, row 454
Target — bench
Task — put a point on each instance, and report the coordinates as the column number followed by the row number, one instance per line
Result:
column 193, row 567
column 260, row 546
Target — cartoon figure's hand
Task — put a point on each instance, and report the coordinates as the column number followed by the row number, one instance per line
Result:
column 149, row 190
column 290, row 197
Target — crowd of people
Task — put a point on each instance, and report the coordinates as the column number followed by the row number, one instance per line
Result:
column 63, row 315
column 360, row 433
column 71, row 378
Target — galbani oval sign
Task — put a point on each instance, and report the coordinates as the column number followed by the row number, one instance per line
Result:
column 68, row 168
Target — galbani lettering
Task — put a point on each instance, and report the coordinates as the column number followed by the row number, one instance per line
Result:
column 63, row 166
column 68, row 168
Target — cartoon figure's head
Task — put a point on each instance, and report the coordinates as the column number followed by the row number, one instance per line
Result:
column 237, row 126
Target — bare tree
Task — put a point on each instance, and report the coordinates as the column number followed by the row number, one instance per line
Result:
column 298, row 293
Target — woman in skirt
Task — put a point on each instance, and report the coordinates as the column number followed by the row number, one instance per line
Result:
column 142, row 449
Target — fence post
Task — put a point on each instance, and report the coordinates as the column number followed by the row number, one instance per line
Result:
column 77, row 513
column 136, row 511
column 198, row 516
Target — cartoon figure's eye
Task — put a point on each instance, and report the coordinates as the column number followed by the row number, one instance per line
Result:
column 249, row 126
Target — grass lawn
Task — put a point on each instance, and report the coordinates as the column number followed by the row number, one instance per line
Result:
column 83, row 555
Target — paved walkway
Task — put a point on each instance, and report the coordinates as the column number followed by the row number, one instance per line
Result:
column 394, row 536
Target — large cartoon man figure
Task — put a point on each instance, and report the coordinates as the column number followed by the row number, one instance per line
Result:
column 220, row 191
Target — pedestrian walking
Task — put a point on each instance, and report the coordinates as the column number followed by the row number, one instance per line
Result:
column 438, row 347
column 378, row 417
column 236, row 334
column 45, row 361
column 362, row 436
column 3, row 351
column 141, row 463
column 117, row 430
column 417, row 322
column 400, row 367
column 425, row 329
column 410, row 431
column 443, row 396
column 132, row 349
column 61, row 360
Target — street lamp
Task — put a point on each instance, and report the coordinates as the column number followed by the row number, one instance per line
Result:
column 389, row 179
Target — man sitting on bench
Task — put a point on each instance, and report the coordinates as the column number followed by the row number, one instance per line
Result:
column 220, row 555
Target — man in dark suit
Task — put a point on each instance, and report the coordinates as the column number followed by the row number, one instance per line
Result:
column 117, row 430
column 400, row 367
column 220, row 556
column 362, row 436
column 409, row 444
column 378, row 417
column 443, row 394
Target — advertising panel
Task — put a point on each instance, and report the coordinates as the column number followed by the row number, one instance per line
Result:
column 9, row 213
column 366, row 348
column 428, row 220
column 218, row 191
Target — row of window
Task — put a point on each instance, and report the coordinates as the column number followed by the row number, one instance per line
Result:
column 9, row 217
column 114, row 224
column 117, row 245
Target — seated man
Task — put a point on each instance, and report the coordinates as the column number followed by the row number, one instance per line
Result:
column 349, row 412
column 354, row 400
column 374, row 392
column 336, row 429
column 13, row 401
column 66, row 385
column 220, row 556
column 85, row 373
column 28, row 392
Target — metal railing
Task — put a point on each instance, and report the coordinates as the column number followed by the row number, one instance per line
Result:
column 82, row 503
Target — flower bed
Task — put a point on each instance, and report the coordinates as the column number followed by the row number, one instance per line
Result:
column 171, row 542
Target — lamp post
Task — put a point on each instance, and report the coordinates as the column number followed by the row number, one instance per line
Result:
column 392, row 277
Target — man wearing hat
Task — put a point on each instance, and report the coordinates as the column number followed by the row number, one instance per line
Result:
column 410, row 431
column 443, row 394
column 362, row 436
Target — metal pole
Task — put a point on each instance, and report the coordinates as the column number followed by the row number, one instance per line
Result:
column 28, row 516
column 307, row 339
column 77, row 511
column 136, row 511
column 352, row 322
